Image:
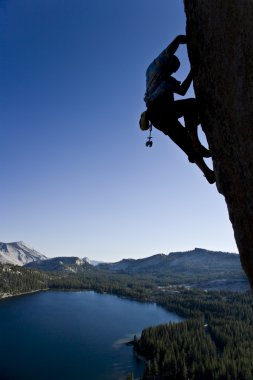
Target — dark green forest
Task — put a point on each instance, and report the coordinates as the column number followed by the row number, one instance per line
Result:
column 16, row 280
column 214, row 342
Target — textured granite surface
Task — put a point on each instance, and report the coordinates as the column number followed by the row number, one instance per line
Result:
column 220, row 48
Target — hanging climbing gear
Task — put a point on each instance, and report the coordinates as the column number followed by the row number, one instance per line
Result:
column 149, row 143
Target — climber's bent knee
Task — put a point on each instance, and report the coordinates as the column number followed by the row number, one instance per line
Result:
column 193, row 157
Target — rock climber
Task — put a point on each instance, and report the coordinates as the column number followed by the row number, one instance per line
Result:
column 163, row 111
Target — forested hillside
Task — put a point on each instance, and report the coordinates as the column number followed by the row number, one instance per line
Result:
column 198, row 268
column 16, row 280
column 216, row 343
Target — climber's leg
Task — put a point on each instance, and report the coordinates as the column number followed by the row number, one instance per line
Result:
column 208, row 173
column 179, row 135
column 189, row 110
column 204, row 152
column 182, row 139
column 163, row 118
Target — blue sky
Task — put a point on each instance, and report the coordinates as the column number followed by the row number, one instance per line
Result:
column 76, row 177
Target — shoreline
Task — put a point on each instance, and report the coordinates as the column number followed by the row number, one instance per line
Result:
column 4, row 296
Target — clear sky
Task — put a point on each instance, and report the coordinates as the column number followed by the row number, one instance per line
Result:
column 76, row 177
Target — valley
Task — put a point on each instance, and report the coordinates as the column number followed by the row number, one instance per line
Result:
column 207, row 288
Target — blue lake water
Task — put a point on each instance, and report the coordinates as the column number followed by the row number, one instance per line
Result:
column 72, row 335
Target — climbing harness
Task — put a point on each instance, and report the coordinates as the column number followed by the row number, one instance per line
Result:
column 149, row 143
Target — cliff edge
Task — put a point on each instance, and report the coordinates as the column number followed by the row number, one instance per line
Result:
column 220, row 49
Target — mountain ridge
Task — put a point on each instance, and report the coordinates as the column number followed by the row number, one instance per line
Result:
column 71, row 264
column 199, row 267
column 181, row 260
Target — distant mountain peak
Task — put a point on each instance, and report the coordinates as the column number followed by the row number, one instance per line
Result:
column 18, row 253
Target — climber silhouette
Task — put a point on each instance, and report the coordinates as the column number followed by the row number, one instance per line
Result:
column 163, row 111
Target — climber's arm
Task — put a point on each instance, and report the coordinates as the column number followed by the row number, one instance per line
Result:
column 173, row 46
column 182, row 88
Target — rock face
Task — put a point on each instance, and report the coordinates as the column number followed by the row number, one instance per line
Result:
column 220, row 49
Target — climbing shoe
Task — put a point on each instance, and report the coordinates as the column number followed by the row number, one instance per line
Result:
column 210, row 176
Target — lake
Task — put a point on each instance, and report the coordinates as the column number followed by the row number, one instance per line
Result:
column 73, row 335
